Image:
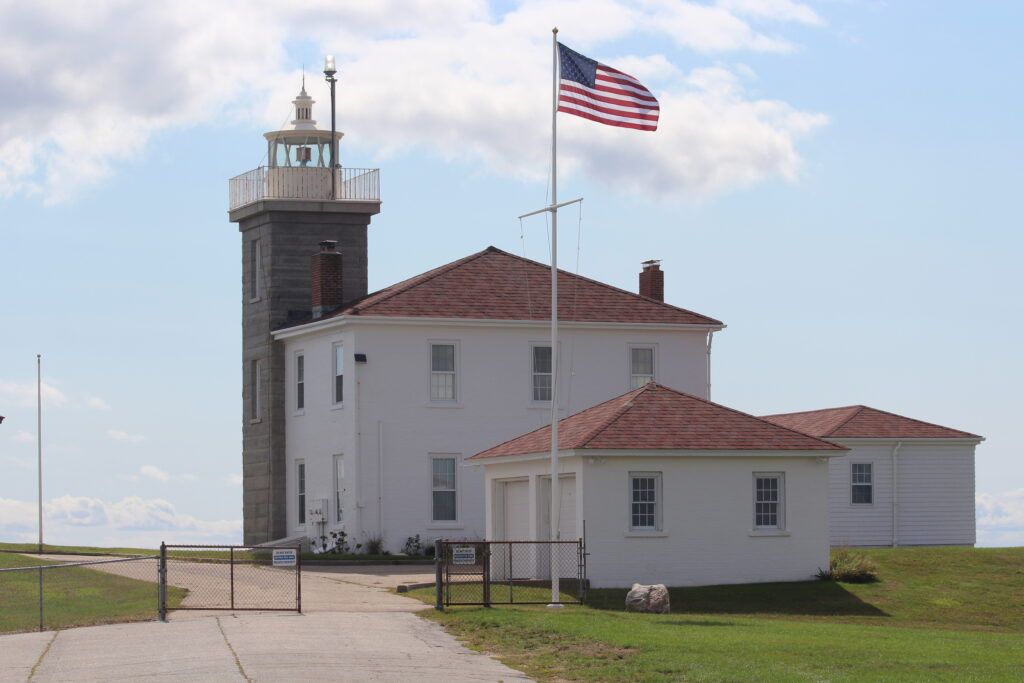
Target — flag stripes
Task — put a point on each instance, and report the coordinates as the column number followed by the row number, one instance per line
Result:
column 600, row 93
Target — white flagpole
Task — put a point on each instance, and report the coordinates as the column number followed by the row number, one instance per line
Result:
column 556, row 490
column 39, row 443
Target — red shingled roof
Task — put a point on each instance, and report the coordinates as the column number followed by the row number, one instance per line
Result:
column 655, row 417
column 863, row 422
column 495, row 285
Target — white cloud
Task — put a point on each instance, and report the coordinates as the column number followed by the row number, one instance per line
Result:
column 23, row 437
column 233, row 480
column 460, row 79
column 97, row 403
column 118, row 435
column 82, row 519
column 154, row 472
column 23, row 394
column 1000, row 518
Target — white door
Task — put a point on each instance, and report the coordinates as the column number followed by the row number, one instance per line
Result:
column 515, row 516
column 567, row 509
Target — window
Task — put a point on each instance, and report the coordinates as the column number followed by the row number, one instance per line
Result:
column 541, row 373
column 339, row 488
column 300, row 382
column 442, row 372
column 644, row 501
column 300, row 478
column 339, row 373
column 255, row 269
column 442, row 484
column 255, row 376
column 861, row 483
column 641, row 366
column 768, row 510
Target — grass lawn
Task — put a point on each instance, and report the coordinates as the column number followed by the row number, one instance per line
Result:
column 203, row 553
column 936, row 614
column 74, row 596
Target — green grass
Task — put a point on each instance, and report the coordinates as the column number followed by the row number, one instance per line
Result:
column 203, row 553
column 935, row 614
column 73, row 596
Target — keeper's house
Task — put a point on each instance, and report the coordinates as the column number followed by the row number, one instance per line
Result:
column 903, row 481
column 674, row 489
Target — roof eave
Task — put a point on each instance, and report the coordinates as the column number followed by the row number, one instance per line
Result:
column 665, row 452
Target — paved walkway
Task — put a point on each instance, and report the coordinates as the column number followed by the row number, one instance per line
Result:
column 353, row 629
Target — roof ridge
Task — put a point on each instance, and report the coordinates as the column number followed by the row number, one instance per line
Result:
column 611, row 287
column 855, row 413
column 627, row 404
column 911, row 419
column 417, row 280
column 808, row 412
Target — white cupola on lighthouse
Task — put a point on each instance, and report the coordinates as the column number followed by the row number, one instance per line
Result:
column 301, row 144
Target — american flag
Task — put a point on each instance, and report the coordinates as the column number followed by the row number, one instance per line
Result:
column 603, row 94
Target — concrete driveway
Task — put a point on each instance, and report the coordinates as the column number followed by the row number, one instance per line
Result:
column 353, row 629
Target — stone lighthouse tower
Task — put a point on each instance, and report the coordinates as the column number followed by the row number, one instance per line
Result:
column 284, row 210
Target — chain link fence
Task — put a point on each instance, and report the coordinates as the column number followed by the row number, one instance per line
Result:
column 44, row 594
column 509, row 572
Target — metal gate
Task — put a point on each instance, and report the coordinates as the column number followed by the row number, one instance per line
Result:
column 509, row 572
column 232, row 577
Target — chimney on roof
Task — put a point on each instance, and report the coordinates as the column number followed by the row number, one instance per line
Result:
column 652, row 281
column 326, row 272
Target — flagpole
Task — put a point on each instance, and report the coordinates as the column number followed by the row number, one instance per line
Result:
column 39, row 442
column 556, row 490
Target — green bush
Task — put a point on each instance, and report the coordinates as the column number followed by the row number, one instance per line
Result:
column 848, row 567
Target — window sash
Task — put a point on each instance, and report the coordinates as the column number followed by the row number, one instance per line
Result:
column 339, row 488
column 442, row 372
column 861, row 483
column 300, row 382
column 300, row 472
column 641, row 366
column 542, row 384
column 339, row 373
column 444, row 488
column 644, row 494
column 767, row 502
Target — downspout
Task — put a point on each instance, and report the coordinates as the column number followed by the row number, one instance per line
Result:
column 711, row 336
column 358, row 460
column 895, row 492
column 380, row 478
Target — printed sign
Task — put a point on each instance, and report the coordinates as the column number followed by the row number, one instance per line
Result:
column 464, row 554
column 285, row 557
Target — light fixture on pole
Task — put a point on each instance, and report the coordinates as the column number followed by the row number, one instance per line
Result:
column 329, row 71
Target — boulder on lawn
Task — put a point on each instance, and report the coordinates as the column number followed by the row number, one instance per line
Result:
column 648, row 599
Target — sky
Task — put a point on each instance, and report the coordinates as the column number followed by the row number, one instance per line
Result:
column 835, row 180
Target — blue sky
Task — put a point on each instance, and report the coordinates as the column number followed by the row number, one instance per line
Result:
column 837, row 181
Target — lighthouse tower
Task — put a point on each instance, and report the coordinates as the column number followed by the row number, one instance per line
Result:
column 284, row 211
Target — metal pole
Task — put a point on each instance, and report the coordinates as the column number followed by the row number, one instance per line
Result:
column 231, row 555
column 40, row 598
column 438, row 575
column 555, row 490
column 298, row 579
column 162, row 590
column 39, row 450
column 334, row 145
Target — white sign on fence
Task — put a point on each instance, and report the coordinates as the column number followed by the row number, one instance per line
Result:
column 464, row 554
column 285, row 557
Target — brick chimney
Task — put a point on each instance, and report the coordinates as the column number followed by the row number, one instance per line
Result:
column 326, row 271
column 652, row 281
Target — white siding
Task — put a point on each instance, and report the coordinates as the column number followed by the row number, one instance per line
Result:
column 935, row 501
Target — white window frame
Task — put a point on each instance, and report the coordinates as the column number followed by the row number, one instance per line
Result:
column 255, row 381
column 337, row 401
column 629, row 367
column 658, row 502
column 443, row 523
column 870, row 483
column 339, row 488
column 255, row 270
column 455, row 373
column 780, row 511
column 534, row 373
column 300, row 493
column 300, row 382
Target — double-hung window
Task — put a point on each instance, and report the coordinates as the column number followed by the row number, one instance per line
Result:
column 300, row 489
column 255, row 379
column 769, row 512
column 339, row 488
column 861, row 483
column 541, row 358
column 641, row 366
column 644, row 501
column 300, row 381
column 339, row 374
column 443, row 488
column 442, row 372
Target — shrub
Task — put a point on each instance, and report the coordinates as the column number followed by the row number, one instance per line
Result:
column 339, row 539
column 413, row 546
column 374, row 545
column 848, row 567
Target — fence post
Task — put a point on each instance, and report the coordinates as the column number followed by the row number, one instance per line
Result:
column 231, row 565
column 438, row 574
column 161, row 590
column 486, row 559
column 298, row 579
column 40, row 598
